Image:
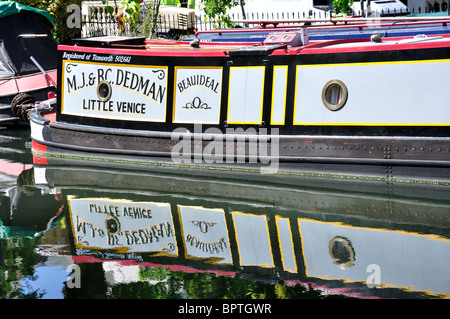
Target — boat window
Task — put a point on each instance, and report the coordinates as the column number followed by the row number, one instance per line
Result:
column 112, row 225
column 104, row 91
column 342, row 252
column 334, row 95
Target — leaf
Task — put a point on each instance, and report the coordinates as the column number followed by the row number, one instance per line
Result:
column 109, row 9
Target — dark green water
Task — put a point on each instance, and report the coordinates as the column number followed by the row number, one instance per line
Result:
column 83, row 231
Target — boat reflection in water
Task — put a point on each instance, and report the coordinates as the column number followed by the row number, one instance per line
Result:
column 17, row 195
column 372, row 239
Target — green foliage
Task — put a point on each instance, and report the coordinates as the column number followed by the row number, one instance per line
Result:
column 129, row 11
column 342, row 7
column 128, row 15
column 148, row 24
column 58, row 9
column 162, row 283
column 148, row 273
column 216, row 10
column 129, row 20
column 17, row 260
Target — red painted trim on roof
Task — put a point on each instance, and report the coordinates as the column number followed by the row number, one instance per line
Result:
column 320, row 47
column 26, row 83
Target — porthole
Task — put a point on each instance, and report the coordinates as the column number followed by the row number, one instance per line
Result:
column 112, row 225
column 104, row 91
column 334, row 95
column 341, row 251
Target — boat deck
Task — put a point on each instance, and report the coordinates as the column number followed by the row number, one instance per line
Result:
column 224, row 49
column 172, row 48
column 51, row 116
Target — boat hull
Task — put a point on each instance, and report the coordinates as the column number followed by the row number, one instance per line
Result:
column 313, row 171
column 198, row 147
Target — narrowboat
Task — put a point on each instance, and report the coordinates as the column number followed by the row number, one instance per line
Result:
column 27, row 61
column 282, row 105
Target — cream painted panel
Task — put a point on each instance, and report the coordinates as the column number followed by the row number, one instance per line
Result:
column 246, row 91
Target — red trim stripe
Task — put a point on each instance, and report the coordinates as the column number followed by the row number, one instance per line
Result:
column 181, row 268
column 41, row 148
column 37, row 159
column 173, row 50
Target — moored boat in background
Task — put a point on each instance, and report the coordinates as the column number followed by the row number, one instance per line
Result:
column 329, row 29
column 27, row 60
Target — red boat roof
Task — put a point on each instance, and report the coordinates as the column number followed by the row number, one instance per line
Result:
column 184, row 49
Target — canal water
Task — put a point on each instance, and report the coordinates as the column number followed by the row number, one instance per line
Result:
column 77, row 230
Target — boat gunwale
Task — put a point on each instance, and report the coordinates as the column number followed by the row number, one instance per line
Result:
column 168, row 134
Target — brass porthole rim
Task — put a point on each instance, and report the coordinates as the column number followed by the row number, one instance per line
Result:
column 114, row 218
column 328, row 105
column 346, row 243
column 104, row 98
